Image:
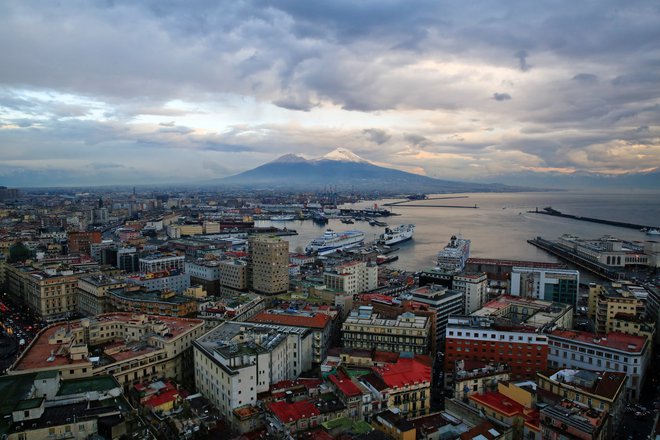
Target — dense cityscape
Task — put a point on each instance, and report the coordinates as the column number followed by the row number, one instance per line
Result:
column 170, row 314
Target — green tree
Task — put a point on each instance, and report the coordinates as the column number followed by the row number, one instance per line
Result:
column 19, row 252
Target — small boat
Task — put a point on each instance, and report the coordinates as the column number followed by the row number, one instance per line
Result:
column 347, row 221
column 652, row 232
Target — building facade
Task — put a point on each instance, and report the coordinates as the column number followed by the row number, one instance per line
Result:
column 268, row 264
column 556, row 285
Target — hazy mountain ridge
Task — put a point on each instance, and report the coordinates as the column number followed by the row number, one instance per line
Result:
column 344, row 169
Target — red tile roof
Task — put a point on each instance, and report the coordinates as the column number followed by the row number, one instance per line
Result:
column 508, row 407
column 346, row 386
column 163, row 397
column 614, row 340
column 313, row 320
column 406, row 371
column 292, row 412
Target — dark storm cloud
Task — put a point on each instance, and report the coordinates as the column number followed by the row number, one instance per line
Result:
column 522, row 55
column 586, row 78
column 78, row 75
column 501, row 96
column 376, row 135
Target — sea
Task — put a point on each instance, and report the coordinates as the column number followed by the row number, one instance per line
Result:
column 500, row 225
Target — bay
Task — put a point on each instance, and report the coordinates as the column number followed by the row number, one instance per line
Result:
column 501, row 225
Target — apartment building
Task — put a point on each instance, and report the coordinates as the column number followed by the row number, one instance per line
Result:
column 132, row 348
column 475, row 290
column 408, row 385
column 233, row 276
column 607, row 301
column 407, row 333
column 352, row 278
column 52, row 293
column 602, row 390
column 136, row 299
column 92, row 293
column 320, row 324
column 443, row 302
column 616, row 352
column 236, row 361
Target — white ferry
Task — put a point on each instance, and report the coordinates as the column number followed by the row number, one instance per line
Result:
column 332, row 241
column 283, row 218
column 397, row 235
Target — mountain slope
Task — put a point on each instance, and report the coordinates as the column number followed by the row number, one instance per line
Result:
column 345, row 169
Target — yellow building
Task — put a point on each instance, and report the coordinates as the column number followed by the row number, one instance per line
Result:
column 394, row 425
column 604, row 391
column 408, row 384
column 606, row 301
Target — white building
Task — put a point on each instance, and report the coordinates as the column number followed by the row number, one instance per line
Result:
column 475, row 288
column 615, row 352
column 236, row 360
column 160, row 262
column 352, row 278
column 556, row 285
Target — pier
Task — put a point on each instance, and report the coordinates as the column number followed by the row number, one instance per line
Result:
column 555, row 213
column 593, row 267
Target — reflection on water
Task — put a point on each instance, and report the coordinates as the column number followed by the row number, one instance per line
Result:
column 500, row 227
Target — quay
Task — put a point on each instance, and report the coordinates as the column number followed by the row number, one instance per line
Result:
column 406, row 205
column 593, row 267
column 405, row 202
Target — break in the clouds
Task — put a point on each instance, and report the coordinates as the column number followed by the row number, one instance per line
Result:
column 161, row 91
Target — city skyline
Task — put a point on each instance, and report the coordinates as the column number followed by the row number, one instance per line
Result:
column 163, row 93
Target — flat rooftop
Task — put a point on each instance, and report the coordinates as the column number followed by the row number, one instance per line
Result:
column 613, row 340
column 40, row 350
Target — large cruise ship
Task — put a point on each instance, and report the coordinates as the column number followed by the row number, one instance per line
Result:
column 397, row 235
column 454, row 256
column 333, row 241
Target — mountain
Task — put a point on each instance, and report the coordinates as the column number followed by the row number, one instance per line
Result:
column 345, row 170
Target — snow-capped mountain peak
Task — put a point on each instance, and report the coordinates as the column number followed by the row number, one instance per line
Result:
column 343, row 155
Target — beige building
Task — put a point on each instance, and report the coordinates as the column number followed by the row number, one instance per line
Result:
column 477, row 377
column 608, row 301
column 475, row 288
column 51, row 293
column 408, row 332
column 92, row 293
column 268, row 264
column 352, row 278
column 233, row 275
column 132, row 348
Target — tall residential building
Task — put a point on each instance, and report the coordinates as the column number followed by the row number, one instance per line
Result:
column 237, row 360
column 556, row 285
column 268, row 264
column 444, row 302
column 475, row 289
column 407, row 333
column 205, row 273
column 616, row 352
column 352, row 278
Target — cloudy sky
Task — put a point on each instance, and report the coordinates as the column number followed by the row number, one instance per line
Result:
column 163, row 91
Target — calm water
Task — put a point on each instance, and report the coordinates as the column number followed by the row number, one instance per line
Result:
column 500, row 227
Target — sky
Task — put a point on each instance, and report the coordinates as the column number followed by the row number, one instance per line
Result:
column 161, row 91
